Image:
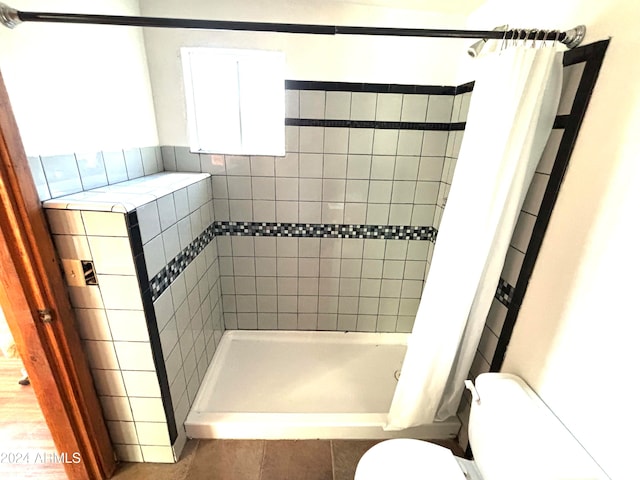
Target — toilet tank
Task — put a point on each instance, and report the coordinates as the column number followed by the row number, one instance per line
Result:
column 514, row 435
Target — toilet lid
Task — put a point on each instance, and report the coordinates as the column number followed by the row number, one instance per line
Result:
column 408, row 459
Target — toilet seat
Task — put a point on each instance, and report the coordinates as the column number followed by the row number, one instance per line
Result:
column 408, row 459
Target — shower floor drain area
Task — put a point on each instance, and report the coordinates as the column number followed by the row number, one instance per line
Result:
column 396, row 374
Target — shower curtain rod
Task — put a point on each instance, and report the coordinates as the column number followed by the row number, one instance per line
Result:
column 10, row 17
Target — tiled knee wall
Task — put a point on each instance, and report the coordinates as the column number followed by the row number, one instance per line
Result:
column 356, row 155
column 148, row 348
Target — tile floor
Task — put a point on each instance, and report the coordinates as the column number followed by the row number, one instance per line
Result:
column 260, row 460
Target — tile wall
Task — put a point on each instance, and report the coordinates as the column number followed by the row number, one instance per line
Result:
column 519, row 243
column 357, row 156
column 148, row 348
column 58, row 175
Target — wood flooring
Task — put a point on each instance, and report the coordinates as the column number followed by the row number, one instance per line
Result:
column 26, row 446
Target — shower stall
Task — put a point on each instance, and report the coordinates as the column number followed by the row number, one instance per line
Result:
column 246, row 296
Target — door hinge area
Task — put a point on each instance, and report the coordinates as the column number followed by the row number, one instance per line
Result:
column 46, row 316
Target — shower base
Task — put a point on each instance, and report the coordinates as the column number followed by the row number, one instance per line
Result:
column 302, row 385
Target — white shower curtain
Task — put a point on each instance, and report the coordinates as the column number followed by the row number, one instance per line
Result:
column 513, row 107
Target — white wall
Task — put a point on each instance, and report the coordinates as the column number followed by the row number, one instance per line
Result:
column 78, row 88
column 308, row 57
column 576, row 341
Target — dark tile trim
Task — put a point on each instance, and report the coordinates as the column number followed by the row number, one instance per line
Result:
column 152, row 322
column 161, row 369
column 313, row 122
column 369, row 87
column 561, row 121
column 593, row 55
column 465, row 88
column 177, row 265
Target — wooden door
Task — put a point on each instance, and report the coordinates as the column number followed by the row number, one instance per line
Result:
column 35, row 301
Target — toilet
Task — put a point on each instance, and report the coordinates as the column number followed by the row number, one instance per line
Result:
column 513, row 434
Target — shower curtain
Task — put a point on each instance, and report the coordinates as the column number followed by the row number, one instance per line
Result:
column 513, row 107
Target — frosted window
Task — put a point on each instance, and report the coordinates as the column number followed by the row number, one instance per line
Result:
column 235, row 100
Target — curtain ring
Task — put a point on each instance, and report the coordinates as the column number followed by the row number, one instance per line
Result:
column 544, row 38
column 534, row 32
column 504, row 37
column 555, row 40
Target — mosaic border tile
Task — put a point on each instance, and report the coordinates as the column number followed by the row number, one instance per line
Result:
column 504, row 292
column 176, row 266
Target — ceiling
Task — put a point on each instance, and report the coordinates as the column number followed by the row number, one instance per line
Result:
column 459, row 7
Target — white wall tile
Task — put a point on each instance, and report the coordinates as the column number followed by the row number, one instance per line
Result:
column 134, row 355
column 311, row 140
column 240, row 210
column 312, row 104
column 108, row 382
column 168, row 155
column 122, row 432
column 388, row 107
column 149, row 221
column 112, row 255
column 101, row 354
column 186, row 161
column 336, row 140
column 105, row 224
column 334, row 166
column 430, row 168
column 310, row 165
column 377, row 214
column 72, row 247
column 434, row 144
column 155, row 454
column 150, row 433
column 39, row 178
column 141, row 384
column 92, row 171
column 133, row 162
column 62, row 174
column 414, row 108
column 410, row 142
column 167, row 211
column 363, row 106
column 181, row 202
column 115, row 166
column 361, row 140
column 154, row 256
column 67, row 222
column 185, row 234
column 406, row 168
column 264, row 211
column 149, row 162
column 171, row 242
column 263, row 188
column 440, row 108
column 116, row 408
column 286, row 211
column 85, row 297
column 382, row 167
column 338, row 105
column 357, row 190
column 286, row 189
column 128, row 325
column 423, row 215
column 385, row 142
column 310, row 189
column 292, row 103
column 291, row 138
column 120, row 292
column 92, row 324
